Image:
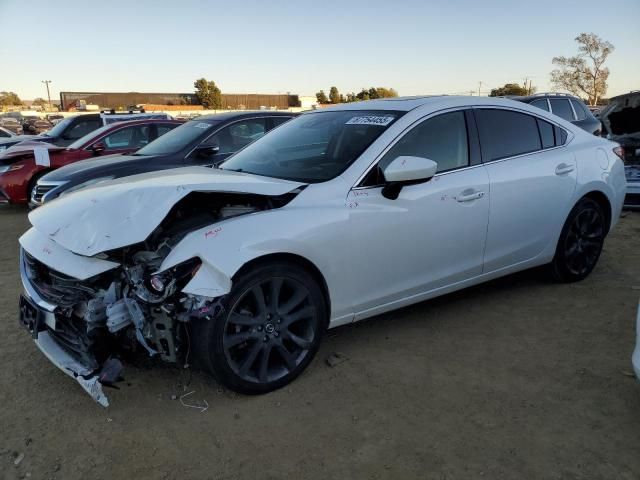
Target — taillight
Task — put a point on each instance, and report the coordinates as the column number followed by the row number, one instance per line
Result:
column 619, row 151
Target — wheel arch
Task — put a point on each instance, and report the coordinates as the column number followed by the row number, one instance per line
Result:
column 601, row 199
column 290, row 258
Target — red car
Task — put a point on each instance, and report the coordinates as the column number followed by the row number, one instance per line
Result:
column 19, row 170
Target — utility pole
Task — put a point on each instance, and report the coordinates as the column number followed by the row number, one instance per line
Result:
column 47, row 82
column 479, row 86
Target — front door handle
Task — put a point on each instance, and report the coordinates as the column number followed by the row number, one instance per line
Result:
column 564, row 168
column 469, row 196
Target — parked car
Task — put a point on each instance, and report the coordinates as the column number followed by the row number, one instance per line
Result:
column 12, row 125
column 4, row 133
column 621, row 124
column 67, row 131
column 568, row 107
column 19, row 170
column 336, row 216
column 207, row 141
column 54, row 118
column 35, row 125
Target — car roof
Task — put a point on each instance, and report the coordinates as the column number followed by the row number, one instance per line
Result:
column 530, row 98
column 223, row 116
column 143, row 121
column 405, row 104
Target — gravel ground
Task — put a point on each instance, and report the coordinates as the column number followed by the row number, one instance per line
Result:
column 517, row 378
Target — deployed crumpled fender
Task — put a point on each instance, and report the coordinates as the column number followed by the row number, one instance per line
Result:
column 227, row 246
column 123, row 212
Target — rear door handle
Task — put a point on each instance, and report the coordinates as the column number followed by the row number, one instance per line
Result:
column 564, row 168
column 467, row 196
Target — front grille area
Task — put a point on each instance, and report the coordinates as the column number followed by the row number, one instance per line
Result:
column 71, row 334
column 40, row 191
column 56, row 287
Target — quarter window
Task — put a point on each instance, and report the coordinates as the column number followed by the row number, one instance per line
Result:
column 579, row 108
column 541, row 103
column 504, row 133
column 561, row 108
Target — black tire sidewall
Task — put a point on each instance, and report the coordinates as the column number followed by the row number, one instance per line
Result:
column 216, row 358
column 559, row 268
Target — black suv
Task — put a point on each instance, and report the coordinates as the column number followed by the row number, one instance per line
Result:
column 565, row 106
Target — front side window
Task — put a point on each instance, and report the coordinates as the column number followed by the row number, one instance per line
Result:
column 442, row 139
column 504, row 133
column 561, row 108
column 127, row 138
column 313, row 147
column 83, row 127
column 238, row 135
column 178, row 138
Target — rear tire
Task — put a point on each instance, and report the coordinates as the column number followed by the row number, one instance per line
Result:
column 580, row 242
column 270, row 330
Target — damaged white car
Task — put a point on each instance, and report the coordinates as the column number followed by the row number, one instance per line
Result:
column 335, row 216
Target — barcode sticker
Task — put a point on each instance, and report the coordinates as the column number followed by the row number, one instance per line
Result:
column 382, row 121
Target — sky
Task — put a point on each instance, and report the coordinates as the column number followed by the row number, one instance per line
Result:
column 415, row 46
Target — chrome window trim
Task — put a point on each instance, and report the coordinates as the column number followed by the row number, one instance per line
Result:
column 570, row 136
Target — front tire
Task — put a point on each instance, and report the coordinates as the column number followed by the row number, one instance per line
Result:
column 580, row 242
column 269, row 332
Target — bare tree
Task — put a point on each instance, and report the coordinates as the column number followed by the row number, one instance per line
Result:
column 584, row 74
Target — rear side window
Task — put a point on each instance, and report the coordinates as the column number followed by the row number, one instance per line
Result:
column 546, row 134
column 579, row 109
column 504, row 133
column 541, row 103
column 561, row 108
column 277, row 121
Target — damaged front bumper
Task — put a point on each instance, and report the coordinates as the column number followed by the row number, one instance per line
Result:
column 38, row 316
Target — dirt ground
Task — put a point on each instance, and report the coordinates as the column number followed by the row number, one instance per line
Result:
column 518, row 378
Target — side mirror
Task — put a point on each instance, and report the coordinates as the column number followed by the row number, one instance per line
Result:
column 98, row 148
column 207, row 150
column 406, row 170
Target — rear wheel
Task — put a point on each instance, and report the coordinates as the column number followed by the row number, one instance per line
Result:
column 580, row 242
column 270, row 330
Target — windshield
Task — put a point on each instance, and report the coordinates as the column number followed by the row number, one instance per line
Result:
column 88, row 137
column 57, row 130
column 177, row 139
column 313, row 148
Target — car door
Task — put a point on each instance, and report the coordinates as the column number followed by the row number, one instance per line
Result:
column 532, row 176
column 230, row 139
column 433, row 234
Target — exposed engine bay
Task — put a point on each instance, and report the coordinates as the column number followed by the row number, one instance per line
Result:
column 135, row 307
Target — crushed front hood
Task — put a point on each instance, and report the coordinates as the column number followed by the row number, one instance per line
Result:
column 123, row 212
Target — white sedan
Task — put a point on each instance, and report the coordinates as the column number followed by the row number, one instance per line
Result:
column 336, row 216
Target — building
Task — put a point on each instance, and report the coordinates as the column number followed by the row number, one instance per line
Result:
column 122, row 100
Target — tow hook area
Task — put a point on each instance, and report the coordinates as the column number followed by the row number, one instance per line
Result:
column 87, row 379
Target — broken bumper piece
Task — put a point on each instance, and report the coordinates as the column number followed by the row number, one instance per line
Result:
column 60, row 358
column 37, row 315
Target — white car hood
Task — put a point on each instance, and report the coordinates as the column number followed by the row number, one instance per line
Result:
column 122, row 212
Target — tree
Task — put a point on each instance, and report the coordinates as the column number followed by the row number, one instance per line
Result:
column 584, row 73
column 322, row 97
column 334, row 95
column 382, row 92
column 208, row 93
column 39, row 101
column 8, row 99
column 509, row 89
